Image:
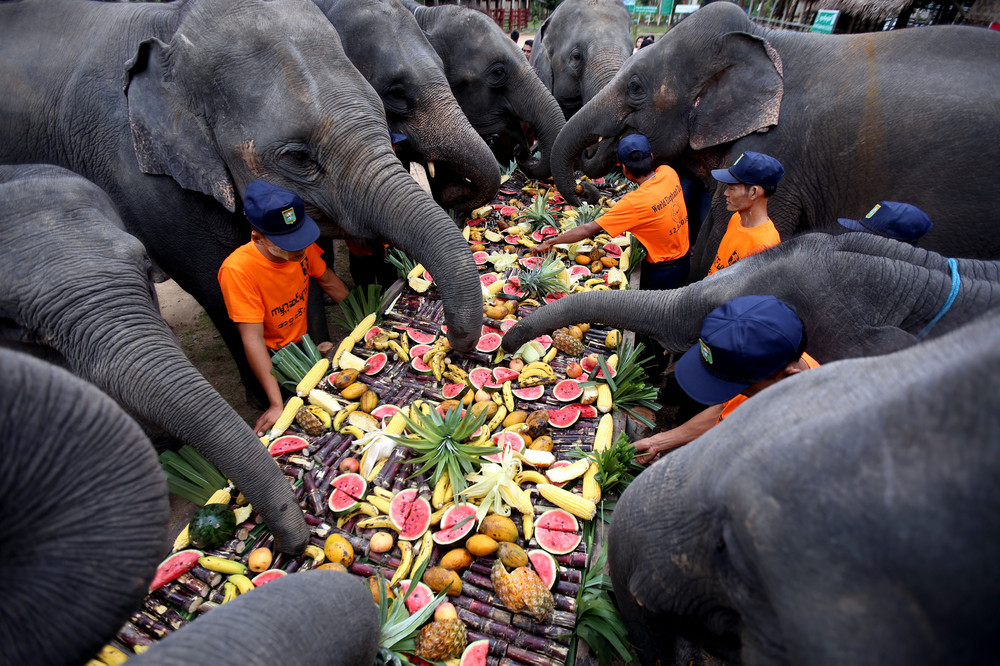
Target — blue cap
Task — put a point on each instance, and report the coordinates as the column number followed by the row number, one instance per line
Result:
column 280, row 215
column 899, row 221
column 396, row 137
column 751, row 168
column 743, row 341
column 628, row 146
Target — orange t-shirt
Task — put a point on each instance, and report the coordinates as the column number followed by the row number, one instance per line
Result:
column 257, row 290
column 655, row 214
column 741, row 242
column 732, row 404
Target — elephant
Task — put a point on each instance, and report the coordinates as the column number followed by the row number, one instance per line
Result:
column 857, row 295
column 85, row 514
column 846, row 515
column 579, row 49
column 493, row 83
column 173, row 108
column 409, row 77
column 854, row 119
column 75, row 289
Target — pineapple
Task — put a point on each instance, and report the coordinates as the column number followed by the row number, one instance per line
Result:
column 567, row 343
column 522, row 591
column 398, row 629
column 309, row 422
column 441, row 640
column 543, row 279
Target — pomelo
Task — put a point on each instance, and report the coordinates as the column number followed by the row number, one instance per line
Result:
column 567, row 390
column 348, row 490
column 375, row 363
column 410, row 514
column 457, row 523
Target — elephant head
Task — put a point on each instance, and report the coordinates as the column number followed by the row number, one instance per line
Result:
column 75, row 287
column 580, row 48
column 846, row 515
column 857, row 294
column 493, row 83
column 85, row 513
column 409, row 77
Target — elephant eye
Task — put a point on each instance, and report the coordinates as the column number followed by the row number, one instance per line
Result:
column 395, row 99
column 298, row 159
column 496, row 75
column 635, row 88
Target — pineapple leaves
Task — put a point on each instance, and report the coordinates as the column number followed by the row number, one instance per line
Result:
column 538, row 213
column 544, row 278
column 398, row 627
column 360, row 303
column 629, row 387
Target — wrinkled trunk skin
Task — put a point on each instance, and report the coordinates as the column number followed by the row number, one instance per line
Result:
column 537, row 107
column 602, row 66
column 85, row 514
column 313, row 617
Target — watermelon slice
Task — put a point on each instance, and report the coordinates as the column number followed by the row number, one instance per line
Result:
column 375, row 363
column 348, row 490
column 563, row 418
column 452, row 391
column 268, row 576
column 552, row 298
column 418, row 351
column 509, row 211
column 385, row 411
column 557, row 532
column 531, row 262
column 536, row 236
column 410, row 514
column 287, row 444
column 529, row 394
column 507, row 324
column 372, row 332
column 456, row 524
column 586, row 411
column 420, row 337
column 545, row 341
column 174, row 566
column 475, row 653
column 486, row 329
column 507, row 441
column 588, row 363
column 427, row 276
column 479, row 376
column 511, row 289
column 512, row 239
column 548, row 230
column 502, row 374
column 488, row 278
column 489, row 343
column 545, row 566
column 420, row 367
column 567, row 390
column 612, row 250
column 480, row 257
column 582, row 271
column 418, row 598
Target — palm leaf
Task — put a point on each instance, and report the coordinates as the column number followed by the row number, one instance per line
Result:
column 360, row 302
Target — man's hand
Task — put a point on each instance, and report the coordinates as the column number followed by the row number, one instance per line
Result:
column 543, row 248
column 268, row 419
column 653, row 447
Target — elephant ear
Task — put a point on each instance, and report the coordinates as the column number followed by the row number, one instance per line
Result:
column 542, row 63
column 744, row 94
column 169, row 137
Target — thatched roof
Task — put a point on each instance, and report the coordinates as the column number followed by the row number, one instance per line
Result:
column 983, row 12
column 868, row 9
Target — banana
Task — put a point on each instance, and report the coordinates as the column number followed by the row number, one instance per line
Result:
column 384, row 492
column 436, row 516
column 426, row 546
column 498, row 357
column 536, row 381
column 528, row 522
column 508, row 396
column 380, row 502
column 538, row 365
column 222, row 565
column 530, row 374
column 497, row 398
column 353, row 431
column 316, row 554
column 364, row 508
column 231, row 591
column 458, row 371
column 242, row 583
column 400, row 352
column 111, row 656
column 532, row 302
column 377, row 523
column 530, row 476
column 497, row 419
column 453, row 377
column 375, row 470
column 338, row 420
column 550, row 354
column 405, row 561
column 441, row 491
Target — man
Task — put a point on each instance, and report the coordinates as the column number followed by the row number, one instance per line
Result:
column 526, row 48
column 750, row 182
column 899, row 221
column 265, row 283
column 654, row 213
column 746, row 345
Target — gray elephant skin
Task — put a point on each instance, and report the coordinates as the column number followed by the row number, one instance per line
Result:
column 493, row 83
column 857, row 295
column 846, row 515
column 854, row 119
column 580, row 48
column 75, row 289
column 384, row 42
column 173, row 108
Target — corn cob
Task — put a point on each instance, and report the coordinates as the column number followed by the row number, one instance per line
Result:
column 564, row 499
column 365, row 325
column 220, row 496
column 605, row 429
column 396, row 424
column 623, row 261
column 183, row 540
column 613, row 361
column 287, row 416
column 591, row 488
column 516, row 498
column 312, row 378
column 345, row 345
column 604, row 402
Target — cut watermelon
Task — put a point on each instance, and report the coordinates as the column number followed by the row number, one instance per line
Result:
column 348, row 490
column 475, row 653
column 427, row 276
column 582, row 271
column 548, row 230
column 479, row 376
column 531, row 262
column 536, row 236
column 545, row 566
column 557, row 532
column 268, row 576
column 509, row 211
column 553, row 297
column 512, row 289
column 375, row 363
column 480, row 257
column 589, row 363
column 385, row 411
column 502, row 374
column 287, row 444
column 418, row 598
column 563, row 418
column 489, row 343
column 410, row 514
column 486, row 329
column 418, row 351
column 420, row 337
column 420, row 367
column 174, row 566
column 545, row 341
column 612, row 250
column 488, row 278
column 452, row 391
column 529, row 394
column 586, row 411
column 512, row 239
column 456, row 524
column 506, row 441
column 507, row 324
column 372, row 332
column 567, row 390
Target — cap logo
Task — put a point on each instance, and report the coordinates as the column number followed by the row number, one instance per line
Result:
column 706, row 351
column 289, row 215
column 873, row 211
column 738, row 159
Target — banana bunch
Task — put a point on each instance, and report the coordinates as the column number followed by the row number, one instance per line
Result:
column 536, row 373
column 455, row 374
column 363, row 508
column 381, row 341
column 436, row 358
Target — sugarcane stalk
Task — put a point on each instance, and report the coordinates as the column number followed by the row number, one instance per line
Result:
column 315, row 521
column 207, row 606
column 534, row 659
column 133, row 637
column 213, row 578
column 515, row 637
column 483, row 609
column 549, row 631
column 160, row 609
column 312, row 493
column 181, row 597
column 197, row 586
column 149, row 624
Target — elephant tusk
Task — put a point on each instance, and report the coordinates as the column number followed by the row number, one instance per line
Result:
column 430, row 169
column 420, row 175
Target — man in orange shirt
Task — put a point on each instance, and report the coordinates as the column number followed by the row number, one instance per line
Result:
column 265, row 283
column 654, row 213
column 746, row 344
column 750, row 182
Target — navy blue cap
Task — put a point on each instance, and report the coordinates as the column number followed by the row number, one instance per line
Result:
column 628, row 146
column 899, row 221
column 280, row 215
column 751, row 168
column 743, row 341
column 396, row 137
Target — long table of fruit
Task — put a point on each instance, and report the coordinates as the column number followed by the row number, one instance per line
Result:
column 468, row 475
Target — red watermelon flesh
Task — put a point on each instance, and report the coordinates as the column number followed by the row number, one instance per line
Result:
column 502, row 374
column 410, row 514
column 512, row 239
column 488, row 279
column 545, row 341
column 514, row 290
column 475, row 653
column 420, row 337
column 385, row 411
column 612, row 250
column 536, row 236
column 506, row 441
column 489, row 343
column 545, row 566
column 418, row 351
column 375, row 363
column 588, row 363
column 348, row 490
column 567, row 390
column 480, row 257
column 456, row 523
column 557, row 532
column 551, row 298
column 586, row 411
column 479, row 376
column 579, row 270
column 174, row 566
column 268, row 576
column 548, row 230
column 418, row 598
column 450, row 391
column 507, row 324
column 372, row 332
column 529, row 394
column 509, row 211
column 490, row 329
column 287, row 444
column 427, row 276
column 531, row 262
column 419, row 366
column 563, row 418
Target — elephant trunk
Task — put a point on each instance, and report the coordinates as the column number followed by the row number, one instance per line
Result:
column 540, row 110
column 602, row 66
column 598, row 119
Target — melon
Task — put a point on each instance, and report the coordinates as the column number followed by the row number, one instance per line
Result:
column 348, row 490
column 563, row 418
column 372, row 332
column 530, row 262
column 410, row 514
column 553, row 297
column 502, row 374
column 489, row 343
column 427, row 276
column 268, row 576
column 419, row 350
column 456, row 524
column 557, row 532
column 287, row 444
column 451, row 391
column 480, row 257
column 612, row 250
column 475, row 653
column 174, row 566
column 385, row 411
column 420, row 596
column 479, row 376
column 512, row 239
column 506, row 441
column 507, row 324
column 545, row 566
column 420, row 337
column 567, row 390
column 548, row 230
column 536, row 236
column 586, row 411
column 490, row 329
column 375, row 363
column 212, row 525
column 488, row 279
column 530, row 394
column 589, row 363
column 419, row 367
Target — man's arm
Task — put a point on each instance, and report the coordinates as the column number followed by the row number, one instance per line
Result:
column 572, row 236
column 260, row 362
column 669, row 440
column 333, row 285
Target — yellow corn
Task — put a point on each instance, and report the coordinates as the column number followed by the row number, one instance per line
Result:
column 528, row 524
column 287, row 416
column 365, row 325
column 516, row 498
column 183, row 540
column 604, row 402
column 613, row 361
column 220, row 496
column 564, row 499
column 396, row 424
column 605, row 430
column 312, row 378
column 591, row 488
column 345, row 345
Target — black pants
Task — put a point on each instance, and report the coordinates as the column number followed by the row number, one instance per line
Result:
column 665, row 274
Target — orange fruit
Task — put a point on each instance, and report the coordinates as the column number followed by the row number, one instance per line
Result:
column 583, row 259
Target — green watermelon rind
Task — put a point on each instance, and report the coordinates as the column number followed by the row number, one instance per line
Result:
column 475, row 653
column 567, row 390
column 451, row 517
column 409, row 533
column 475, row 373
column 420, row 337
column 205, row 529
column 529, row 393
column 489, row 342
column 168, row 569
column 543, row 532
column 540, row 552
column 563, row 418
column 280, row 447
column 356, row 500
column 380, row 360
